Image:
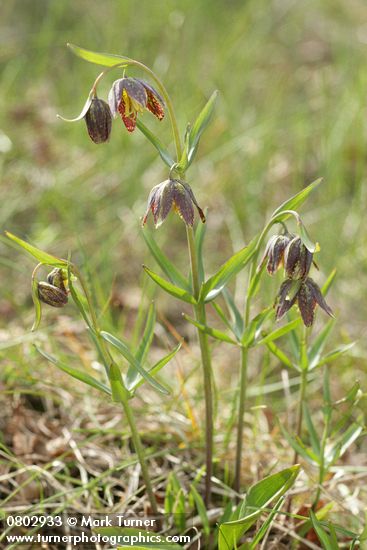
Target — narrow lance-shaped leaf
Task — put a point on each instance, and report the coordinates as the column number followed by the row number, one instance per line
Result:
column 237, row 319
column 119, row 393
column 164, row 263
column 156, row 142
column 315, row 351
column 314, row 437
column 298, row 199
column 42, row 257
column 156, row 368
column 332, row 355
column 195, row 131
column 172, row 289
column 215, row 284
column 76, row 373
column 199, row 241
column 213, row 332
column 279, row 354
column 279, row 332
column 124, row 350
column 258, row 497
column 146, row 340
column 105, row 59
column 254, row 326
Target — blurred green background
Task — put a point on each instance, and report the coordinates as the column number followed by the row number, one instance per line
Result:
column 292, row 79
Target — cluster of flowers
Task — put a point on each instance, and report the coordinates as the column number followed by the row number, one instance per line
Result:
column 298, row 288
column 129, row 97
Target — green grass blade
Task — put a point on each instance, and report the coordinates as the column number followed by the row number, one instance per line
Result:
column 76, row 373
column 172, row 289
column 200, row 506
column 327, row 542
column 39, row 255
column 126, row 353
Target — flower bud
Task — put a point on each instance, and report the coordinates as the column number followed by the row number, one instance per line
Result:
column 297, row 259
column 52, row 295
column 98, row 120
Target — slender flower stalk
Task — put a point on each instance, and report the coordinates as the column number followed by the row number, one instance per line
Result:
column 200, row 314
column 138, row 446
column 303, row 386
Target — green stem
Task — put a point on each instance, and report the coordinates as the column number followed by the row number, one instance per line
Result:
column 139, row 449
column 325, row 435
column 124, row 398
column 303, row 386
column 200, row 315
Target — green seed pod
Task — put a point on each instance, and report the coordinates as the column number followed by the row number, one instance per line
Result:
column 52, row 295
column 99, row 121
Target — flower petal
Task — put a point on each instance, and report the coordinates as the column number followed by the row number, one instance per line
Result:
column 183, row 203
column 192, row 196
column 136, row 90
column 284, row 300
column 115, row 95
column 318, row 297
column 130, row 120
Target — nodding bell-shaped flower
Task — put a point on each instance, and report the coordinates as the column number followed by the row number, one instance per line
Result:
column 274, row 252
column 131, row 96
column 297, row 259
column 306, row 293
column 53, row 292
column 176, row 194
column 98, row 120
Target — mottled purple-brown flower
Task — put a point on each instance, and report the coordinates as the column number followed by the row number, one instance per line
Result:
column 99, row 121
column 131, row 96
column 53, row 292
column 172, row 194
column 306, row 294
column 274, row 252
column 297, row 259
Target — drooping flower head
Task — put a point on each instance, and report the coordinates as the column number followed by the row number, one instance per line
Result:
column 54, row 292
column 176, row 194
column 274, row 252
column 297, row 259
column 131, row 96
column 306, row 293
